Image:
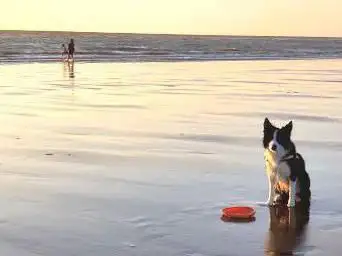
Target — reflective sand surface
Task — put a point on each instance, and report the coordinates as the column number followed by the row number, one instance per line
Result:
column 139, row 158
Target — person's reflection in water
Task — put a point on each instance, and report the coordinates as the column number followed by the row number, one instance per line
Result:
column 65, row 69
column 287, row 229
column 71, row 69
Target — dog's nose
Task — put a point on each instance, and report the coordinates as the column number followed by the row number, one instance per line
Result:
column 274, row 147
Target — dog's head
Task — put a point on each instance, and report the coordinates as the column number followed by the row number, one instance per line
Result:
column 277, row 140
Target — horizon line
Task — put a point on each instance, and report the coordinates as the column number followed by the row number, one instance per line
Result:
column 159, row 34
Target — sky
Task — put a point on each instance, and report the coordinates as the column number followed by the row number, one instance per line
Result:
column 213, row 17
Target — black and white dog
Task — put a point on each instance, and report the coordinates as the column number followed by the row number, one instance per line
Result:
column 288, row 181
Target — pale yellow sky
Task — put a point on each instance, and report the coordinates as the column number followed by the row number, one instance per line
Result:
column 231, row 17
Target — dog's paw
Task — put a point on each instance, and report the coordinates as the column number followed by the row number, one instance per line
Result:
column 291, row 204
column 269, row 202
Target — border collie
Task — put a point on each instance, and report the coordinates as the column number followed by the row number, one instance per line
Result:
column 288, row 181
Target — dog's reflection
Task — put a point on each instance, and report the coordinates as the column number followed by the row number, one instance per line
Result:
column 287, row 229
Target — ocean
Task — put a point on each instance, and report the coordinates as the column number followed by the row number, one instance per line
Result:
column 96, row 47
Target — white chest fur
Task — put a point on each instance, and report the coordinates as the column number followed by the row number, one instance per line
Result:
column 278, row 172
column 275, row 168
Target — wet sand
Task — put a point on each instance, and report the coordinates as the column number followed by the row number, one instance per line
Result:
column 140, row 158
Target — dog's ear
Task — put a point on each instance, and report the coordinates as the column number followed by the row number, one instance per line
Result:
column 288, row 128
column 268, row 125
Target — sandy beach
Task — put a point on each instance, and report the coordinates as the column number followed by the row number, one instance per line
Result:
column 140, row 158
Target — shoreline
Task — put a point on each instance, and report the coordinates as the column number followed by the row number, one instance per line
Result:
column 104, row 61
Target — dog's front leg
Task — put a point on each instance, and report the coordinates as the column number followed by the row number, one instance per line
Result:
column 271, row 190
column 292, row 193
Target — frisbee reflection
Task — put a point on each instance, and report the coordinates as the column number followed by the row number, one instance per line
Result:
column 239, row 220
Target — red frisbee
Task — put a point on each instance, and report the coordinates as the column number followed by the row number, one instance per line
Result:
column 238, row 212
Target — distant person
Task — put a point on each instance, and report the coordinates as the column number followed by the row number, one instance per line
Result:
column 71, row 49
column 65, row 51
